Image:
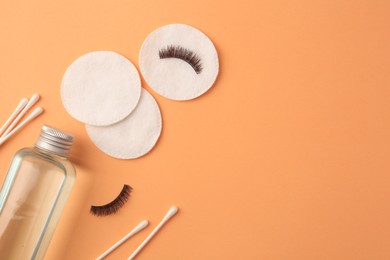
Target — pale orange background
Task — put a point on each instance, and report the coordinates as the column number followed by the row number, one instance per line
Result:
column 286, row 157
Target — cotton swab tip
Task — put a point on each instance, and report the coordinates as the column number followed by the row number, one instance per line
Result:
column 36, row 112
column 22, row 104
column 143, row 224
column 173, row 210
column 34, row 98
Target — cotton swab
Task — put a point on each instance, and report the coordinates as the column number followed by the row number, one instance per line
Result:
column 33, row 115
column 30, row 103
column 172, row 211
column 138, row 228
column 19, row 107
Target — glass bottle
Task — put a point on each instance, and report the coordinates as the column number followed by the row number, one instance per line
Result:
column 33, row 195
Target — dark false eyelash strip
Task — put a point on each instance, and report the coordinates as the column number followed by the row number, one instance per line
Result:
column 113, row 206
column 173, row 51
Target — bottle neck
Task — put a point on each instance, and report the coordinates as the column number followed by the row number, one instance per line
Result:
column 48, row 153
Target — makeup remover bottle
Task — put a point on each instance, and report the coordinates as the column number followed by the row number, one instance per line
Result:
column 33, row 195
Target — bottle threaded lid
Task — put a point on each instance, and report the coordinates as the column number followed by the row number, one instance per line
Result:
column 54, row 141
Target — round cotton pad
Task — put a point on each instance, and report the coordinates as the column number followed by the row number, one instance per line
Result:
column 179, row 62
column 135, row 135
column 100, row 88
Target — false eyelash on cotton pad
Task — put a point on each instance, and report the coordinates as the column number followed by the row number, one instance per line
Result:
column 174, row 78
column 178, row 52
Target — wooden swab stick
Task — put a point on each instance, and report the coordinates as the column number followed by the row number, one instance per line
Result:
column 172, row 211
column 138, row 228
column 33, row 115
column 19, row 107
column 30, row 103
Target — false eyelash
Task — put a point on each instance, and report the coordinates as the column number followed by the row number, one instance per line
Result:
column 113, row 206
column 172, row 51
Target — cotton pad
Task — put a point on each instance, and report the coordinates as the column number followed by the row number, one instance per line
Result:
column 135, row 135
column 100, row 88
column 179, row 62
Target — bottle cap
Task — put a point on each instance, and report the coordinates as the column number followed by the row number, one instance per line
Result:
column 54, row 141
